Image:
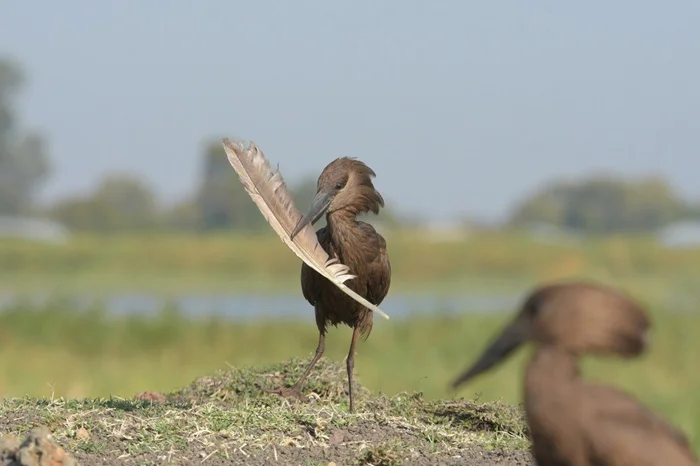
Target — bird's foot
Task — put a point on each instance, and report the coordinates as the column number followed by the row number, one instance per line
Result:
column 287, row 392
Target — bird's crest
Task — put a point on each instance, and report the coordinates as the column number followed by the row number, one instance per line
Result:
column 269, row 192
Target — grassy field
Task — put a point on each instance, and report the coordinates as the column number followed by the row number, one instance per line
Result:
column 165, row 263
column 56, row 353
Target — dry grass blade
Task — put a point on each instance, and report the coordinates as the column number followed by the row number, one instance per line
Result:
column 269, row 192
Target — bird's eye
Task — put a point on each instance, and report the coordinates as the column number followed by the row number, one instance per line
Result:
column 339, row 186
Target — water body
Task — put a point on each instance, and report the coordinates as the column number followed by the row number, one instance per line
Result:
column 257, row 306
column 265, row 306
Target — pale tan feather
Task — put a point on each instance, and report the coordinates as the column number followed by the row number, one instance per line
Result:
column 269, row 192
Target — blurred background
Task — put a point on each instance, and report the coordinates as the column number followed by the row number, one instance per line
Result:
column 513, row 145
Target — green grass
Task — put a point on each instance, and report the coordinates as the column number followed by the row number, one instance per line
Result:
column 242, row 262
column 56, row 352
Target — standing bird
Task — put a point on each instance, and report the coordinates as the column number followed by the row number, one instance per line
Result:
column 573, row 422
column 344, row 190
column 345, row 250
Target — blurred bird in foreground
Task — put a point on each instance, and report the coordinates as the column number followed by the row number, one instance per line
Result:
column 573, row 422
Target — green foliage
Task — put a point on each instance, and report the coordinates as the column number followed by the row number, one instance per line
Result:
column 221, row 198
column 121, row 202
column 24, row 165
column 603, row 204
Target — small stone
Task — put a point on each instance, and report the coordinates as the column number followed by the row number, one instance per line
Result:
column 38, row 449
column 337, row 437
column 82, row 434
column 8, row 447
column 153, row 397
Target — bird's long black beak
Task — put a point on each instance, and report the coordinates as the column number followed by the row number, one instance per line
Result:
column 510, row 339
column 318, row 207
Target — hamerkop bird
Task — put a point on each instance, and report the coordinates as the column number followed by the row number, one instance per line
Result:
column 574, row 422
column 349, row 249
column 344, row 190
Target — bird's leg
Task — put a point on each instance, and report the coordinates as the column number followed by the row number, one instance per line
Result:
column 295, row 391
column 351, row 363
column 319, row 352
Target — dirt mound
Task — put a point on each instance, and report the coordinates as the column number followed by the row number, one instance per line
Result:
column 227, row 419
column 38, row 449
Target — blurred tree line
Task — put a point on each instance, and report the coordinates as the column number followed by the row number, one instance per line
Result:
column 24, row 164
column 124, row 202
column 604, row 204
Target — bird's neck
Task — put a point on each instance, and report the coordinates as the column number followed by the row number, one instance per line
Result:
column 345, row 235
column 550, row 369
column 553, row 362
column 551, row 390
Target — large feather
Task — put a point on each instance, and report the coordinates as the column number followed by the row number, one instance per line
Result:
column 269, row 192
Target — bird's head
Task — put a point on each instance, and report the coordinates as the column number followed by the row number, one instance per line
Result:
column 345, row 185
column 577, row 317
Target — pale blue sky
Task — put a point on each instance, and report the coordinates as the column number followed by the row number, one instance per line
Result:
column 459, row 106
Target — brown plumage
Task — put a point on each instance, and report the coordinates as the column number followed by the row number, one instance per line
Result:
column 344, row 190
column 574, row 422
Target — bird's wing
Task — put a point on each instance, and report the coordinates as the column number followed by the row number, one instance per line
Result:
column 379, row 269
column 622, row 431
